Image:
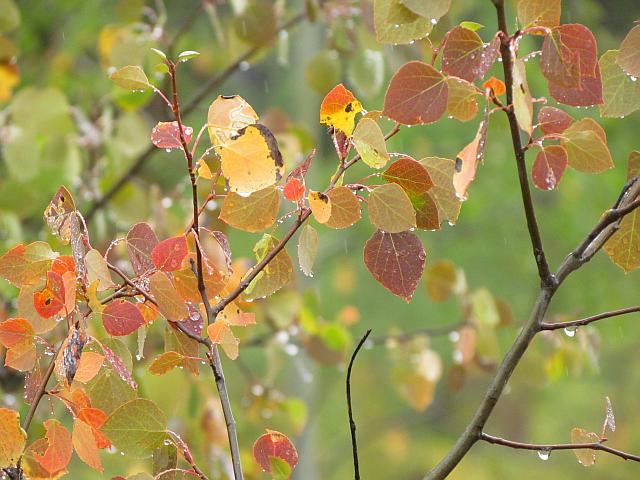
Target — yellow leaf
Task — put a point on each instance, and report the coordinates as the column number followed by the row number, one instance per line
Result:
column 12, row 438
column 339, row 109
column 227, row 115
column 9, row 78
column 320, row 206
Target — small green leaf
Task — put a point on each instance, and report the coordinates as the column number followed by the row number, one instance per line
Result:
column 473, row 26
column 160, row 53
column 280, row 470
column 187, row 55
column 131, row 77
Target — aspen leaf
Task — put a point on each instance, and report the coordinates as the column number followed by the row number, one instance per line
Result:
column 522, row 102
column 539, row 13
column 465, row 55
column 417, row 94
column 569, row 55
column 59, row 448
column 441, row 171
column 130, row 77
column 89, row 366
column 548, row 167
column 496, row 85
column 234, row 317
column 97, row 270
column 339, row 108
column 396, row 260
column 294, row 189
column 586, row 457
column 275, row 275
column 440, row 279
column 60, row 215
column 137, row 427
column 307, row 249
column 141, row 241
column 369, row 142
column 406, row 27
column 12, row 438
column 553, row 120
column 121, row 318
column 165, row 362
column 621, row 93
column 431, row 9
column 629, row 56
column 51, row 300
column 171, row 305
column 17, row 336
column 411, row 175
column 589, row 93
column 390, row 209
column 169, row 254
column 84, row 443
column 220, row 334
column 427, row 214
column 167, row 135
column 251, row 161
column 227, row 116
column 274, row 445
column 24, row 264
column 468, row 159
column 461, row 100
column 252, row 213
column 345, row 208
column 320, row 205
column 586, row 145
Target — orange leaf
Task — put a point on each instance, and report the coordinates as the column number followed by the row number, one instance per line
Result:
column 89, row 366
column 496, row 85
column 293, row 189
column 85, row 445
column 220, row 334
column 63, row 264
column 58, row 450
column 339, row 108
column 50, row 301
column 12, row 438
column 14, row 331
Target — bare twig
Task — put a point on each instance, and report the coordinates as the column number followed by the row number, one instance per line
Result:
column 352, row 423
column 588, row 320
column 546, row 448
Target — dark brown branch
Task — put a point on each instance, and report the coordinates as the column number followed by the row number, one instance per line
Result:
column 588, row 320
column 546, row 448
column 352, row 423
column 204, row 92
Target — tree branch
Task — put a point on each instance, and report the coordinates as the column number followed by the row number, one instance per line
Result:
column 588, row 320
column 558, row 446
column 352, row 423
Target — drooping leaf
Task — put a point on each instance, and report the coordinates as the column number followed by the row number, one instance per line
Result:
column 121, row 318
column 609, row 418
column 539, row 13
column 339, row 108
column 417, row 94
column 465, row 55
column 227, row 116
column 251, row 161
column 629, row 56
column 320, row 205
column 396, row 260
column 167, row 135
column 12, row 438
column 586, row 457
column 553, row 120
column 171, row 305
column 141, row 241
column 621, row 93
column 165, row 362
column 406, row 27
column 461, row 100
column 468, row 159
column 586, row 145
column 275, row 275
column 522, row 102
column 61, row 216
column 441, row 171
column 57, row 454
column 548, row 167
column 252, row 213
column 97, row 270
column 131, row 77
column 369, row 142
column 431, row 9
column 220, row 334
column 411, row 175
column 274, row 444
column 345, row 208
column 390, row 209
column 169, row 254
column 137, row 428
column 24, row 264
column 307, row 249
column 440, row 279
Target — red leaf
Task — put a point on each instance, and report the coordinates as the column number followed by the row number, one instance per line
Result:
column 548, row 167
column 121, row 318
column 553, row 120
column 589, row 93
column 410, row 175
column 140, row 242
column 417, row 94
column 167, row 135
column 169, row 254
column 396, row 260
column 274, row 444
column 569, row 54
column 63, row 264
column 293, row 189
column 466, row 56
column 50, row 301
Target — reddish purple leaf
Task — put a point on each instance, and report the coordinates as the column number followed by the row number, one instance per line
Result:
column 140, row 242
column 411, row 175
column 119, row 367
column 167, row 135
column 417, row 94
column 553, row 120
column 549, row 166
column 466, row 56
column 396, row 260
column 274, row 444
column 169, row 254
column 121, row 318
column 569, row 55
column 589, row 93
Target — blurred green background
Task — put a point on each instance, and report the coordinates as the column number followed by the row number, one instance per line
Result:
column 67, row 124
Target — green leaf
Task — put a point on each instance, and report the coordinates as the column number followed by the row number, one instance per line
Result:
column 131, row 77
column 430, row 9
column 542, row 13
column 10, row 16
column 137, row 428
column 160, row 53
column 620, row 91
column 307, row 249
column 522, row 102
column 280, row 469
column 629, row 57
column 473, row 26
column 275, row 275
column 441, row 171
column 395, row 23
column 369, row 142
column 187, row 55
column 586, row 145
column 390, row 209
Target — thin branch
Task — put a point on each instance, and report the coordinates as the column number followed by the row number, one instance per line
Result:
column 206, row 89
column 588, row 320
column 352, row 423
column 558, row 446
column 41, row 390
